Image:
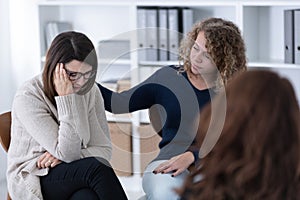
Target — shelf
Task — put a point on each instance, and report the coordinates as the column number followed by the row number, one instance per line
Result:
column 157, row 63
column 85, row 3
column 124, row 118
column 261, row 23
column 114, row 61
column 273, row 64
column 263, row 29
column 271, row 3
column 190, row 3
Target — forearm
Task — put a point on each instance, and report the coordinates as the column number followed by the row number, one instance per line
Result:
column 39, row 121
column 137, row 98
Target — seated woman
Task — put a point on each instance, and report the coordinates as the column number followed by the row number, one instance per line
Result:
column 60, row 142
column 256, row 155
column 211, row 54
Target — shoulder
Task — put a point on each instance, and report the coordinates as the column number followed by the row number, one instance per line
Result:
column 32, row 88
column 94, row 95
column 171, row 67
column 32, row 84
column 169, row 70
column 30, row 96
column 94, row 92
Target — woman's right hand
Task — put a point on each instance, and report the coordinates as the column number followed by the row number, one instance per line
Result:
column 62, row 83
column 47, row 160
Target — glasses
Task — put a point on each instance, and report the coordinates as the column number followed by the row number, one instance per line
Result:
column 73, row 76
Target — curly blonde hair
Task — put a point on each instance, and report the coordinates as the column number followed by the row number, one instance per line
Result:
column 224, row 43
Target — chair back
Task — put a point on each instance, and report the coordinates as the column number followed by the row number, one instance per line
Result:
column 5, row 123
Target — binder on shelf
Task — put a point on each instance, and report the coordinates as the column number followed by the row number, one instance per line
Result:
column 163, row 34
column 187, row 20
column 141, row 33
column 152, row 35
column 289, row 36
column 173, row 33
column 297, row 36
column 52, row 29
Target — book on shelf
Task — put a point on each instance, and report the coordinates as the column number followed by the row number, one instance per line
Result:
column 297, row 36
column 186, row 20
column 292, row 36
column 173, row 26
column 53, row 28
column 162, row 34
column 160, row 30
column 141, row 34
column 289, row 36
column 151, row 35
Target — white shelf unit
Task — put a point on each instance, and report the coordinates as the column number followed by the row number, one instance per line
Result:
column 261, row 23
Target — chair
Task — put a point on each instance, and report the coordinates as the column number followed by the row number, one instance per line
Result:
column 5, row 122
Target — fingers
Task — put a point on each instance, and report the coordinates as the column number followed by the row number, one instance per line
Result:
column 161, row 167
column 40, row 160
column 176, row 165
column 47, row 160
column 62, row 73
column 55, row 162
column 56, row 76
column 168, row 168
column 177, row 172
column 62, row 83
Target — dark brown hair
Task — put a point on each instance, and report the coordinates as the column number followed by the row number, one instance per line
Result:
column 66, row 47
column 257, row 154
column 224, row 43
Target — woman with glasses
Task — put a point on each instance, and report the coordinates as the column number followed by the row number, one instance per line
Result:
column 212, row 53
column 60, row 142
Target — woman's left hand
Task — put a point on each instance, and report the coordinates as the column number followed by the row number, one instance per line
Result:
column 176, row 165
column 47, row 160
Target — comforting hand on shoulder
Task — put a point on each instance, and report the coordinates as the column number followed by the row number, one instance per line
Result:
column 62, row 83
column 176, row 165
column 47, row 160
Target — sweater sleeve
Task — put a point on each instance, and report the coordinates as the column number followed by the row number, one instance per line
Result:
column 61, row 140
column 99, row 144
column 139, row 97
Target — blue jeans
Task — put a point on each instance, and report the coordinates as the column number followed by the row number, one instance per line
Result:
column 161, row 186
column 88, row 178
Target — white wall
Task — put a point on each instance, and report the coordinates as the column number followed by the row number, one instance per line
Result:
column 24, row 34
column 19, row 56
column 6, row 83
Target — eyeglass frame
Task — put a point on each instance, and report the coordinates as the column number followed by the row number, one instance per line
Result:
column 79, row 74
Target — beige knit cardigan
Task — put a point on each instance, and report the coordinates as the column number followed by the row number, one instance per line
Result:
column 77, row 128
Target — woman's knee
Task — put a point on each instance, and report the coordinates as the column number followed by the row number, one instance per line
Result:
column 160, row 186
column 96, row 166
column 84, row 193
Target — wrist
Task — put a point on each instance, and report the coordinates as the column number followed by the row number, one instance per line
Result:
column 190, row 157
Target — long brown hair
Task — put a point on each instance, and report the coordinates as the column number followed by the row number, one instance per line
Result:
column 66, row 47
column 224, row 43
column 257, row 154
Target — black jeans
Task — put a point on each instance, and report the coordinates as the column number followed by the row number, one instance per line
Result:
column 88, row 178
